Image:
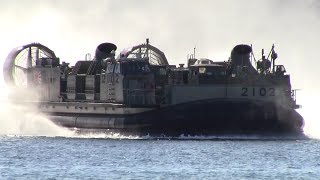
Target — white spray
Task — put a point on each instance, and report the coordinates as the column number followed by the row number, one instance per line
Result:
column 25, row 119
column 22, row 118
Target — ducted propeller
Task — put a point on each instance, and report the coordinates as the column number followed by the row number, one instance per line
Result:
column 20, row 59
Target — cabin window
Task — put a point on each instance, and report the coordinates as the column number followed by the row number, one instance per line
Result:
column 202, row 70
column 205, row 62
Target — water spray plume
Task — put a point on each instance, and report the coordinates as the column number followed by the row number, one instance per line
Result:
column 24, row 119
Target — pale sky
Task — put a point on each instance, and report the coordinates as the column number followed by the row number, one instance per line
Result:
column 73, row 28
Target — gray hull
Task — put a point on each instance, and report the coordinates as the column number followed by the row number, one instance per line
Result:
column 205, row 117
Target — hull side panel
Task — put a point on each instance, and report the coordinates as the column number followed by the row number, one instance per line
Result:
column 216, row 116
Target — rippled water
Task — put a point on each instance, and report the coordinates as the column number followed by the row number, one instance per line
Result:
column 98, row 157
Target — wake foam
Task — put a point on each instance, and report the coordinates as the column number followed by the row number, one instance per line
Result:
column 109, row 135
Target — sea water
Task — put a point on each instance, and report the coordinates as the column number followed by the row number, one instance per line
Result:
column 119, row 157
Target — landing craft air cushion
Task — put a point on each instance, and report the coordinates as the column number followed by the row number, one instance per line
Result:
column 138, row 92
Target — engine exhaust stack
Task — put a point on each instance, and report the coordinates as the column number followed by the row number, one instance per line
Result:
column 240, row 55
column 240, row 59
column 104, row 50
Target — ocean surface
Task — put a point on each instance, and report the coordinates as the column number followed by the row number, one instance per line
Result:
column 32, row 147
column 100, row 156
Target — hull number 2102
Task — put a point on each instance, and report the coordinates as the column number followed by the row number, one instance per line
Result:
column 254, row 91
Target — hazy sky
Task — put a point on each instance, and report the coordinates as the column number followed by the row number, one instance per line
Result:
column 74, row 27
